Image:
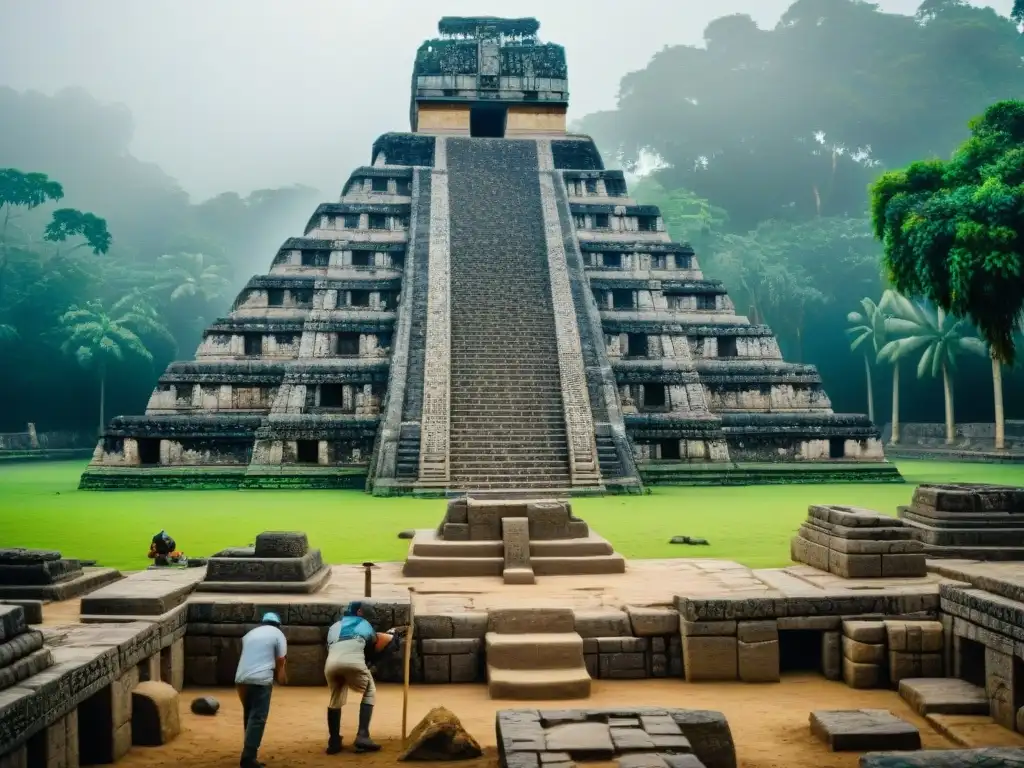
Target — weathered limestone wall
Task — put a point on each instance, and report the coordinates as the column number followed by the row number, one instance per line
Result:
column 778, row 397
column 175, row 398
column 778, row 448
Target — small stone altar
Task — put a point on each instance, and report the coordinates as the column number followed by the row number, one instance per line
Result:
column 638, row 737
column 967, row 521
column 857, row 543
column 517, row 539
column 281, row 562
column 41, row 574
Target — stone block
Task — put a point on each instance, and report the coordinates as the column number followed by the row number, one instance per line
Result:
column 155, row 717
column 437, row 669
column 903, row 565
column 647, row 622
column 854, row 566
column 582, row 741
column 457, row 511
column 622, row 644
column 33, row 609
column 465, row 667
column 256, row 569
column 707, row 628
column 622, row 666
column 946, row 758
column 675, row 656
column 515, row 536
column 548, row 519
column 274, row 544
column 12, row 622
column 709, row 658
column 816, row 623
column 860, row 730
column 999, row 687
column 758, row 662
column 522, row 620
column 802, row 550
column 122, row 741
column 149, row 669
column 863, row 653
column 304, row 665
column 172, row 664
column 433, row 626
column 201, row 671
column 757, row 631
column 455, row 532
column 709, row 735
column 449, row 646
column 121, row 697
column 831, row 655
column 469, row 625
column 602, row 623
column 944, row 696
column 914, row 636
column 865, row 631
column 863, row 675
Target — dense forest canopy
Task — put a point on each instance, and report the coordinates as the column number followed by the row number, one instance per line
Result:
column 767, row 140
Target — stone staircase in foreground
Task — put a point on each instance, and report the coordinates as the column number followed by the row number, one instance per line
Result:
column 535, row 654
column 507, row 417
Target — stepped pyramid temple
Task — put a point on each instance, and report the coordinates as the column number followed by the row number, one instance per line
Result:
column 485, row 308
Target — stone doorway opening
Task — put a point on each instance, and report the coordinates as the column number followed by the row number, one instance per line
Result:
column 96, row 729
column 800, row 650
column 487, row 121
column 149, row 451
column 971, row 661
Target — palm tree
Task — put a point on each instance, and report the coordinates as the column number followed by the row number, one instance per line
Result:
column 869, row 324
column 97, row 336
column 191, row 275
column 941, row 336
column 997, row 389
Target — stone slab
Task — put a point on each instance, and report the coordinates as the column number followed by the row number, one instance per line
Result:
column 860, row 730
column 515, row 537
column 946, row 696
column 527, row 620
column 314, row 583
column 89, row 580
column 147, row 593
column 710, row 658
column 281, row 544
column 647, row 621
column 255, row 569
column 947, row 758
column 603, row 623
column 33, row 609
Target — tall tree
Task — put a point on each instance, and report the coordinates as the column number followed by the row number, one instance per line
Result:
column 25, row 191
column 940, row 336
column 868, row 326
column 98, row 337
column 69, row 222
column 953, row 232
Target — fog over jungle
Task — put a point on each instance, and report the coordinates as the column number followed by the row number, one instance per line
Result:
column 184, row 141
column 246, row 94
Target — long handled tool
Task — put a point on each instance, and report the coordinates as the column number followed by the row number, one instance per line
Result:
column 408, row 658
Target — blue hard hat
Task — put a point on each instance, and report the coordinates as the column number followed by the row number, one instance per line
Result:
column 271, row 618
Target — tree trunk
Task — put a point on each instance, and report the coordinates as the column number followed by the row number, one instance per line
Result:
column 997, row 385
column 871, row 390
column 947, row 387
column 895, row 438
column 103, row 392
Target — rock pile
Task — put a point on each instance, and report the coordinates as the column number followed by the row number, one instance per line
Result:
column 440, row 736
column 857, row 544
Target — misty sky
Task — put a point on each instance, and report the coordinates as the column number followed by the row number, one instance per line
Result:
column 246, row 94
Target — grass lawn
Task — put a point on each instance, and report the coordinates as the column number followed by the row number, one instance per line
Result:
column 40, row 506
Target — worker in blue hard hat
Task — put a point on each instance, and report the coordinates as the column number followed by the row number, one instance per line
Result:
column 349, row 642
column 261, row 663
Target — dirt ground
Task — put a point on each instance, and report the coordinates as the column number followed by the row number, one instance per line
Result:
column 769, row 723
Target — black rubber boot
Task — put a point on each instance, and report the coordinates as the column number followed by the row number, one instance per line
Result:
column 363, row 742
column 333, row 731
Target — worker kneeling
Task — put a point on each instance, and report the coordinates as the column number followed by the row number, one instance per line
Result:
column 349, row 643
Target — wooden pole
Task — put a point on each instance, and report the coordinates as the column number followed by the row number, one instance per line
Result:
column 408, row 658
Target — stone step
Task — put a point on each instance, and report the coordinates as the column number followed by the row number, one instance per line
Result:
column 945, row 696
column 514, row 621
column 535, row 650
column 538, row 685
column 445, row 565
column 563, row 566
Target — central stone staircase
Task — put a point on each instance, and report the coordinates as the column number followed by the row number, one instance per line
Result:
column 535, row 654
column 507, row 417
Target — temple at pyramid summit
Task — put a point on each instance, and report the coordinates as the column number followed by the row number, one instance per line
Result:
column 485, row 309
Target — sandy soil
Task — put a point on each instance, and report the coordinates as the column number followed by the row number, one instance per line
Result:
column 769, row 723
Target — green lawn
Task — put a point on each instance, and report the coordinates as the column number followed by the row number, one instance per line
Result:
column 40, row 506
